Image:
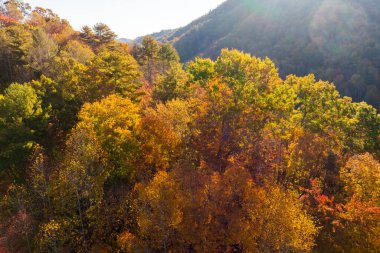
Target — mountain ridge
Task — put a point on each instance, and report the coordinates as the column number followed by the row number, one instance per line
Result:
column 336, row 40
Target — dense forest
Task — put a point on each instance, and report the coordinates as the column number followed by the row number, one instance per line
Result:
column 337, row 40
column 110, row 148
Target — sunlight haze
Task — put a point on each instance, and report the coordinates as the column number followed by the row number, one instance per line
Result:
column 130, row 18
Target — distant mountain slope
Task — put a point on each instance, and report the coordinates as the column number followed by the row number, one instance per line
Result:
column 338, row 40
column 125, row 40
column 163, row 36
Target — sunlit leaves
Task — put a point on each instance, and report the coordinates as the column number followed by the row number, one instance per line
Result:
column 362, row 178
column 110, row 73
column 114, row 120
column 163, row 132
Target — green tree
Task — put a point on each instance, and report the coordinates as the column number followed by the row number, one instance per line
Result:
column 103, row 34
column 200, row 70
column 87, row 35
column 22, row 121
column 147, row 56
column 168, row 55
column 171, row 85
column 111, row 73
column 15, row 43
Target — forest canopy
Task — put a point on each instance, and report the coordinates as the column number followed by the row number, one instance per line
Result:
column 111, row 148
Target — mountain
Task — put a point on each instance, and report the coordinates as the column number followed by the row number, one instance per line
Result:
column 125, row 40
column 162, row 36
column 338, row 40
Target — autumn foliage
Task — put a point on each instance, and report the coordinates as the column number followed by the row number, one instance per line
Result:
column 106, row 148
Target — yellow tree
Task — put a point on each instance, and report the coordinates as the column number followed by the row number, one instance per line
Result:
column 114, row 120
column 361, row 228
column 77, row 192
column 163, row 133
column 238, row 215
column 218, row 212
column 159, row 212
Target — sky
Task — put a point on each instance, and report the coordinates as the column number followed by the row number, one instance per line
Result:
column 129, row 18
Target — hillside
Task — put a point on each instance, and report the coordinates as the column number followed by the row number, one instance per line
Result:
column 337, row 40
